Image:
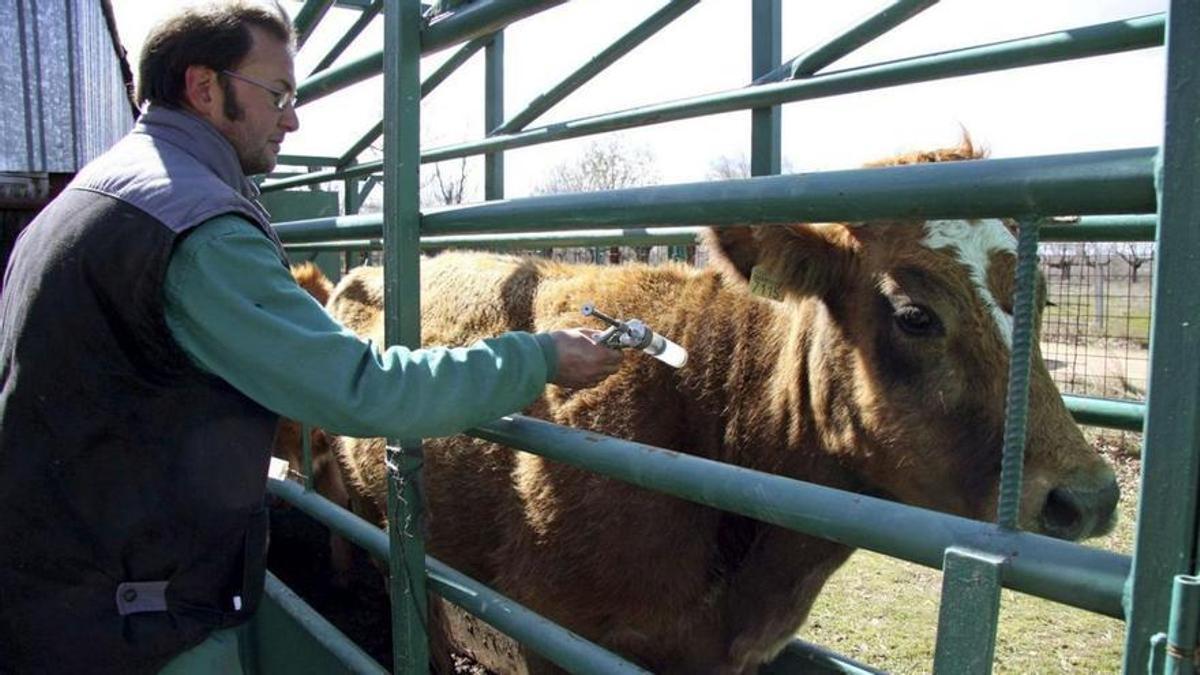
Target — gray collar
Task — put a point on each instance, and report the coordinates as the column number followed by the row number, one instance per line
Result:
column 200, row 139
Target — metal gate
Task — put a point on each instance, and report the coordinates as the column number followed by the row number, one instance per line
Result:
column 1150, row 591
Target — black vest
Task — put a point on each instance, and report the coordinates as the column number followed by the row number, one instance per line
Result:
column 132, row 517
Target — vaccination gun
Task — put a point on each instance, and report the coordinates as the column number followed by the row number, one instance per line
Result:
column 634, row 334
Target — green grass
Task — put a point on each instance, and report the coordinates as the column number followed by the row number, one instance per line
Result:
column 883, row 612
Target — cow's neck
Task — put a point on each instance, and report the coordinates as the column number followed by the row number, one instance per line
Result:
column 747, row 382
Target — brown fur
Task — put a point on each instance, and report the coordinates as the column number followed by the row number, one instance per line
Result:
column 822, row 385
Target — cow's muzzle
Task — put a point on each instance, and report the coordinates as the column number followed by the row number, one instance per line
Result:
column 1075, row 512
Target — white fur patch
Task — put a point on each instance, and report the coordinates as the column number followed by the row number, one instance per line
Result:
column 974, row 243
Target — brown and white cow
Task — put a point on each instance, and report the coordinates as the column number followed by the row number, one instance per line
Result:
column 880, row 369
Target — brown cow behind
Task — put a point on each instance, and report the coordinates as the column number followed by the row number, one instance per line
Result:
column 880, row 369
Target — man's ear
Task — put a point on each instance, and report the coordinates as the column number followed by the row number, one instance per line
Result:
column 202, row 91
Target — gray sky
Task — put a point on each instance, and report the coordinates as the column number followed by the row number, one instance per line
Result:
column 1099, row 103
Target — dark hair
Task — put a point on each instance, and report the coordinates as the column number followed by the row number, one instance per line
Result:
column 215, row 35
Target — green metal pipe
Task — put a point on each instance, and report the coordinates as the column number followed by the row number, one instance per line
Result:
column 477, row 19
column 1096, row 182
column 1184, row 628
column 334, row 79
column 969, row 612
column 805, row 657
column 493, row 114
column 316, row 628
column 558, row 644
column 361, row 144
column 323, row 176
column 1090, row 579
column 307, row 160
column 563, row 647
column 647, row 236
column 1108, row 38
column 364, row 19
column 1103, row 228
column 1166, row 539
column 453, row 63
column 403, row 457
column 1105, row 412
column 622, row 46
column 307, row 19
column 848, row 41
column 766, row 123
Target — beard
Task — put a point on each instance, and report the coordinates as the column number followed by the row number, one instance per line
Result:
column 252, row 161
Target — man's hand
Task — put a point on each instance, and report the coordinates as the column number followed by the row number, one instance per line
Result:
column 582, row 362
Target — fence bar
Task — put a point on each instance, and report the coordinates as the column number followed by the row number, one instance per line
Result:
column 558, row 644
column 1075, row 43
column 622, row 46
column 1105, row 412
column 1138, row 33
column 1167, row 513
column 1184, row 627
column 333, row 79
column 1103, row 228
column 364, row 19
column 766, row 122
column 1090, row 579
column 805, row 657
column 453, row 63
column 323, row 176
column 493, row 114
column 477, row 19
column 315, row 629
column 307, row 160
column 1016, row 410
column 645, row 236
column 308, row 17
column 402, row 326
column 969, row 613
column 1096, row 182
column 350, row 155
column 851, row 39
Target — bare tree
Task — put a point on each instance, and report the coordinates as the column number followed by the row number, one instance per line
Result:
column 1135, row 254
column 440, row 187
column 1062, row 257
column 607, row 164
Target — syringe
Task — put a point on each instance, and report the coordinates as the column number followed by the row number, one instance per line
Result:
column 635, row 334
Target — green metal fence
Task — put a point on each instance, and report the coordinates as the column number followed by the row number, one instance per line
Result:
column 1151, row 590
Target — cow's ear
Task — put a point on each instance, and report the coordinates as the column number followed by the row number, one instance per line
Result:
column 800, row 260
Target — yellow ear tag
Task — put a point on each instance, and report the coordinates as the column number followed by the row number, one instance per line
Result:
column 763, row 285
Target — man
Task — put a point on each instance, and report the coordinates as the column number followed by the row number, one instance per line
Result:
column 151, row 335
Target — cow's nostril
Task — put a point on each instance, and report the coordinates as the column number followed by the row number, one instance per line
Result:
column 1072, row 513
column 1062, row 516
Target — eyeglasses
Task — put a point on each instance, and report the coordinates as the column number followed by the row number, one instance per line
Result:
column 282, row 100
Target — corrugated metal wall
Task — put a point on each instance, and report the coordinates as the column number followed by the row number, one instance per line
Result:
column 62, row 98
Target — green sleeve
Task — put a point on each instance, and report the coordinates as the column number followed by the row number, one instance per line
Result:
column 237, row 312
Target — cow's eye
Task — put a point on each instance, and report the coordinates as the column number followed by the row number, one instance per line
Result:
column 917, row 320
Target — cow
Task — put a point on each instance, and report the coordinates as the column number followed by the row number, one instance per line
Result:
column 872, row 357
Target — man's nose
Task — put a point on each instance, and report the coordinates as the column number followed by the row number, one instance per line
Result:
column 290, row 121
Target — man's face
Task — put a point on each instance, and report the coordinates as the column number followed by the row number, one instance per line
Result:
column 248, row 116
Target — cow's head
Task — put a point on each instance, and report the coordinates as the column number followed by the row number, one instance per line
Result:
column 904, row 331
